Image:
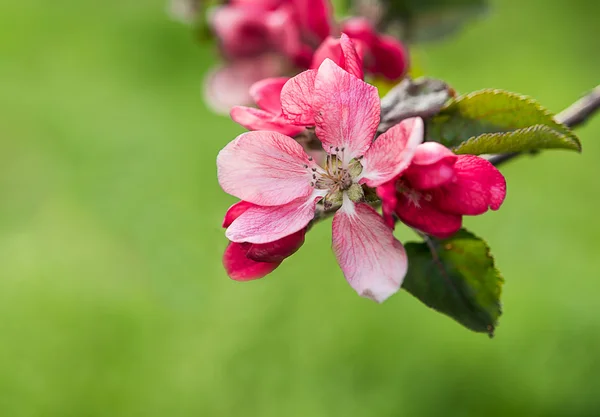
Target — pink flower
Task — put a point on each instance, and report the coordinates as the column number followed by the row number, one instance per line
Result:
column 273, row 172
column 247, row 261
column 384, row 55
column 268, row 116
column 246, row 30
column 439, row 188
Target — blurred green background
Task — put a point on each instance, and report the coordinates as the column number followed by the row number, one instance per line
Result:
column 113, row 301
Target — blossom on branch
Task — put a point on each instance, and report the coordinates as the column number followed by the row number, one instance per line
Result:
column 440, row 187
column 284, row 185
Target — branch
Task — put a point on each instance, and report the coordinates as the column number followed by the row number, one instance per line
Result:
column 574, row 115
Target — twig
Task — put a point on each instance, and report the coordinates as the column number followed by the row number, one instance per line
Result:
column 574, row 115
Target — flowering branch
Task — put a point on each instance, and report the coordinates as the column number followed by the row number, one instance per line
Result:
column 573, row 116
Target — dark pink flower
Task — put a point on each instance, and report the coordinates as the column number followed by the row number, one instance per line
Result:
column 273, row 172
column 245, row 30
column 245, row 261
column 439, row 188
column 268, row 116
column 383, row 54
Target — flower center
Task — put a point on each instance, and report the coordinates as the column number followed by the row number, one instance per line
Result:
column 412, row 195
column 337, row 177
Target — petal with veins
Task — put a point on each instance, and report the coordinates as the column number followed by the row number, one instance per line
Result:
column 373, row 261
column 261, row 224
column 392, row 152
column 343, row 52
column 297, row 98
column 346, row 110
column 264, row 168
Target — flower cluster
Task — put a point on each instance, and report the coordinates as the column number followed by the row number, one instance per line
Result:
column 270, row 38
column 315, row 149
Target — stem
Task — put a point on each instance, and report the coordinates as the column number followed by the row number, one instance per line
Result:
column 573, row 116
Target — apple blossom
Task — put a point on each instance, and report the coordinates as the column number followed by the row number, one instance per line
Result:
column 439, row 187
column 275, row 174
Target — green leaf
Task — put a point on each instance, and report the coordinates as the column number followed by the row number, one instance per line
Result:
column 457, row 277
column 496, row 121
column 422, row 97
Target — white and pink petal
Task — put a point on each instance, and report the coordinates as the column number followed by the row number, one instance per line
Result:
column 373, row 261
column 392, row 152
column 297, row 98
column 346, row 110
column 264, row 224
column 265, row 168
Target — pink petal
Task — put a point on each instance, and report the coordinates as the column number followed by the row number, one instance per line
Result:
column 392, row 152
column 373, row 261
column 297, row 98
column 346, row 110
column 229, row 86
column 390, row 58
column 267, row 224
column 389, row 200
column 477, row 186
column 353, row 60
column 235, row 211
column 278, row 250
column 264, row 168
column 240, row 268
column 266, row 93
column 341, row 51
column 359, row 28
column 418, row 211
column 314, row 19
column 259, row 4
column 256, row 119
column 384, row 55
column 432, row 166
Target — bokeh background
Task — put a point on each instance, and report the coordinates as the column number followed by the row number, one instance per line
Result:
column 113, row 301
